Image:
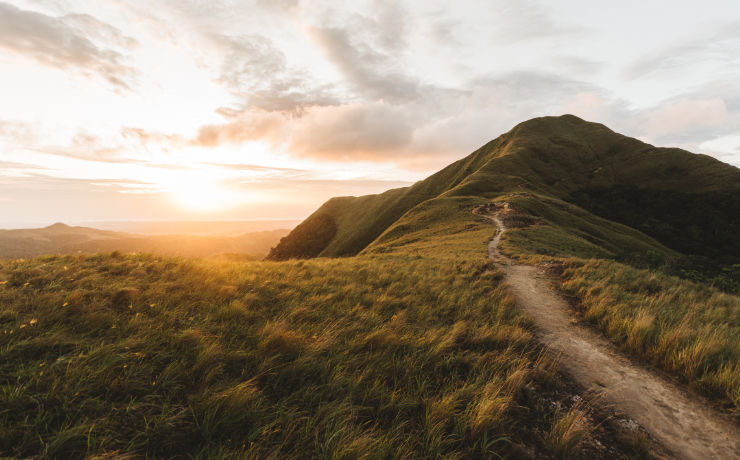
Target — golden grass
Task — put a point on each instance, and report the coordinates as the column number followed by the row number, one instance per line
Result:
column 688, row 329
column 569, row 430
column 376, row 356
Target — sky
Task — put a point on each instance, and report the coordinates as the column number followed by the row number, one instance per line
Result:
column 264, row 109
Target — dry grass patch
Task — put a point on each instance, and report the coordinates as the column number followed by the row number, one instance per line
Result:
column 378, row 356
column 688, row 329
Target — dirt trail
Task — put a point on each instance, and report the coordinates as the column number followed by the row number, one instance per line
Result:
column 682, row 423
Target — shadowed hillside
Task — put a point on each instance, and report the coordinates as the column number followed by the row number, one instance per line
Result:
column 671, row 199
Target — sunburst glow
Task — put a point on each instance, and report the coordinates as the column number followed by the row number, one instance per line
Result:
column 202, row 192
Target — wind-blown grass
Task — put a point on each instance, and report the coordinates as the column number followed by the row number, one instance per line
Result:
column 689, row 329
column 374, row 356
column 569, row 430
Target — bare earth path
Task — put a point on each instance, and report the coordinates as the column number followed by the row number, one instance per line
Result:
column 684, row 425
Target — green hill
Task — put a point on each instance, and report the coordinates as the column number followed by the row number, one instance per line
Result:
column 580, row 178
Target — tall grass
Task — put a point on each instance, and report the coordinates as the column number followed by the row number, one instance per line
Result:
column 688, row 329
column 569, row 430
column 375, row 356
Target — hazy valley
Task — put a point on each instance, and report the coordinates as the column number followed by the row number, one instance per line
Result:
column 64, row 239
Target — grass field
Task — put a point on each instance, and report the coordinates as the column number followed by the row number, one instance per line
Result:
column 375, row 356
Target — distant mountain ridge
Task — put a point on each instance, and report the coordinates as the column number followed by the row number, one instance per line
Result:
column 60, row 238
column 674, row 200
column 195, row 228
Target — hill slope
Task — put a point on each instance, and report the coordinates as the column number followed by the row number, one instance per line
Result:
column 566, row 172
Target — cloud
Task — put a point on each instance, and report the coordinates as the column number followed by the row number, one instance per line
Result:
column 442, row 124
column 596, row 105
column 577, row 65
column 725, row 148
column 443, row 32
column 722, row 46
column 687, row 119
column 17, row 131
column 369, row 71
column 311, row 187
column 48, row 199
column 244, row 126
column 421, row 133
column 259, row 169
column 381, row 108
column 139, row 138
column 11, row 165
column 340, row 187
column 66, row 42
column 99, row 31
column 85, row 146
column 353, row 132
column 525, row 20
column 257, row 72
column 41, row 181
column 280, row 102
column 369, row 51
column 129, row 145
column 279, row 5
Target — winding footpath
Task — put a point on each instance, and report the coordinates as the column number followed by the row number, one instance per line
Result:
column 683, row 424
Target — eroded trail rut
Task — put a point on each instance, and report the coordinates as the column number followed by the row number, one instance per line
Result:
column 683, row 424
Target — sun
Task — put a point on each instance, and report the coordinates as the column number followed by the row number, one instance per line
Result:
column 202, row 195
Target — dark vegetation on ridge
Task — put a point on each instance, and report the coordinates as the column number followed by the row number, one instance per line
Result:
column 699, row 224
column 308, row 239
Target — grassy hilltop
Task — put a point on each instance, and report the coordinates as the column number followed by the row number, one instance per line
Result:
column 561, row 166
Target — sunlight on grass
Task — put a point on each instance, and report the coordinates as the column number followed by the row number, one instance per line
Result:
column 384, row 355
column 689, row 329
